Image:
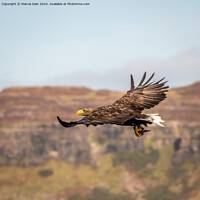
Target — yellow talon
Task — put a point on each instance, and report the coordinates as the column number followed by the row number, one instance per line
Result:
column 138, row 132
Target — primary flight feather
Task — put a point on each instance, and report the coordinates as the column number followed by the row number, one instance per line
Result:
column 127, row 111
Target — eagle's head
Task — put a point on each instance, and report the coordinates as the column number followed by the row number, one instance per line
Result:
column 85, row 111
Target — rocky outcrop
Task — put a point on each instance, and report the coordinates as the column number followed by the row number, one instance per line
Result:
column 30, row 133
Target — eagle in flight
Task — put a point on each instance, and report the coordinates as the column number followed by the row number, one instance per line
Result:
column 127, row 111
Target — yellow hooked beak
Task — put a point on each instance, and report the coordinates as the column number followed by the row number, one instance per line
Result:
column 80, row 112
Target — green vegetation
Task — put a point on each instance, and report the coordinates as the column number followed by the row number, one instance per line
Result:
column 148, row 144
column 101, row 193
column 109, row 179
column 45, row 172
column 54, row 177
column 136, row 160
column 160, row 193
column 163, row 165
column 108, row 136
column 175, row 181
column 98, row 139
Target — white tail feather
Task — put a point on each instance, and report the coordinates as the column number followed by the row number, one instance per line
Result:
column 155, row 119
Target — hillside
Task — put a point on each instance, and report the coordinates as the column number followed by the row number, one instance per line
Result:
column 41, row 104
column 95, row 161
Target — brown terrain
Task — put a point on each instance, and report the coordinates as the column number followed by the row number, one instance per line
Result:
column 37, row 105
column 30, row 136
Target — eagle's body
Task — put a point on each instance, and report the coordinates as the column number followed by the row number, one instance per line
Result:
column 127, row 111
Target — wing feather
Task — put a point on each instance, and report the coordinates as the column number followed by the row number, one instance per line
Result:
column 145, row 95
column 149, row 79
column 143, row 78
column 132, row 83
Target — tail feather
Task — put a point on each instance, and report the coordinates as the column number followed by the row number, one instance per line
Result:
column 155, row 119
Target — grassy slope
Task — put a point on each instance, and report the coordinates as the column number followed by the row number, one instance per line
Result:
column 27, row 182
column 172, row 182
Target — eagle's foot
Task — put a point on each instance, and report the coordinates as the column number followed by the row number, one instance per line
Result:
column 140, row 131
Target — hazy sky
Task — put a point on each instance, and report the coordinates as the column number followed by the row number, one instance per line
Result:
column 101, row 44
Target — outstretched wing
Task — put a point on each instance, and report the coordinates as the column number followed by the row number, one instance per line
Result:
column 146, row 95
column 99, row 118
column 67, row 124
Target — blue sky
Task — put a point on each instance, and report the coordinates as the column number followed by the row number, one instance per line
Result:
column 81, row 45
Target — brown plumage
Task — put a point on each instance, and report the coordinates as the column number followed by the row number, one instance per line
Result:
column 127, row 111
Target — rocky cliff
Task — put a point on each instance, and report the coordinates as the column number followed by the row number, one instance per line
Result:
column 30, row 134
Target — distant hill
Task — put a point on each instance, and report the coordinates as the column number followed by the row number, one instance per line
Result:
column 43, row 104
column 39, row 159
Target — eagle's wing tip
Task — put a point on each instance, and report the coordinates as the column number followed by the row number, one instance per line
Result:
column 132, row 83
column 68, row 124
column 58, row 118
column 60, row 121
